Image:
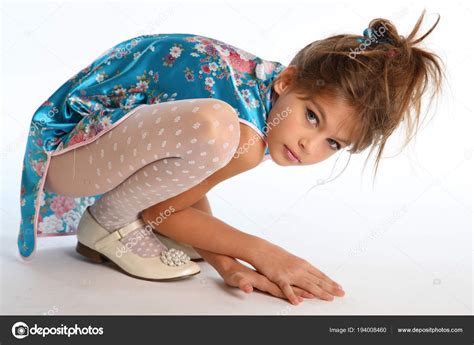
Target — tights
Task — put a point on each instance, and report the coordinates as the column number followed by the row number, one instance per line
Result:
column 159, row 151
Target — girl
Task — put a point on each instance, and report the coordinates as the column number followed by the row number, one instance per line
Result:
column 135, row 140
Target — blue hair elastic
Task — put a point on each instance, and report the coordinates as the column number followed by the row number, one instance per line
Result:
column 369, row 33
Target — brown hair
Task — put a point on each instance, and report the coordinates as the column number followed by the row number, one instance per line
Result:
column 383, row 77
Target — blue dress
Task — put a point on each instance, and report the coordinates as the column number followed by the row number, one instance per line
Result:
column 143, row 70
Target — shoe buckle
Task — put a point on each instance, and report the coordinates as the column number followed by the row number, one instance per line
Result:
column 118, row 234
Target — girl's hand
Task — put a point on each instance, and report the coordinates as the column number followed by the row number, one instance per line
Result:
column 246, row 279
column 289, row 271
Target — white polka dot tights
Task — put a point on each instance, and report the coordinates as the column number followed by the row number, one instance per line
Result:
column 159, row 151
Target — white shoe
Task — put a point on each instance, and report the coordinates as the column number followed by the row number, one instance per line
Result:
column 100, row 245
column 184, row 247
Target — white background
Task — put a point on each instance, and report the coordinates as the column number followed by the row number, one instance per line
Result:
column 400, row 246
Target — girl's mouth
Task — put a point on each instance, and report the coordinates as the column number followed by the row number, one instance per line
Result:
column 291, row 156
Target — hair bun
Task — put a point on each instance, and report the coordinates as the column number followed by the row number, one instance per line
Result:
column 385, row 32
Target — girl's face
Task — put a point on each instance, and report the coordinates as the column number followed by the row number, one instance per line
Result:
column 313, row 130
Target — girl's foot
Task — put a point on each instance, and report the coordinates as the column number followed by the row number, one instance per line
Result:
column 101, row 246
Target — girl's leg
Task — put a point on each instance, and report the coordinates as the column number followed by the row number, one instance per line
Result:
column 158, row 152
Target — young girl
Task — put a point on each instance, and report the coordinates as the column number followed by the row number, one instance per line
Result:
column 135, row 140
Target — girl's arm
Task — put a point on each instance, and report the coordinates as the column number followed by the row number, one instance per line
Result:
column 290, row 273
column 189, row 225
column 221, row 263
column 201, row 230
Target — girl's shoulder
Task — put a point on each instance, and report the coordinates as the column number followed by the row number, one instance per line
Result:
column 251, row 147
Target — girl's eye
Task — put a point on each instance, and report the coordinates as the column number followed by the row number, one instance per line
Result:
column 338, row 146
column 312, row 116
column 315, row 117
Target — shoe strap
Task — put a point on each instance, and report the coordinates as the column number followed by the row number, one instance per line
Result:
column 118, row 234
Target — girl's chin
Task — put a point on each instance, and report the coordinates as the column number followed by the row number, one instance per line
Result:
column 279, row 159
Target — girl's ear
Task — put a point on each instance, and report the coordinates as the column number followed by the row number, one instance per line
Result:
column 285, row 79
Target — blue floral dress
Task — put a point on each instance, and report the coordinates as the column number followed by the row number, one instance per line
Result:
column 143, row 70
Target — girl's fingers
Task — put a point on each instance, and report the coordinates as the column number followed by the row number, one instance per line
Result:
column 246, row 285
column 288, row 292
column 303, row 293
column 315, row 272
column 238, row 279
column 255, row 280
column 262, row 283
column 332, row 289
column 316, row 290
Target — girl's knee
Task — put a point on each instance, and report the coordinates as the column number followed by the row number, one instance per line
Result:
column 216, row 119
column 225, row 122
column 222, row 149
column 211, row 124
column 222, row 111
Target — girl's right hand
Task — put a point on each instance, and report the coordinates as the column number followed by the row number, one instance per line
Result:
column 286, row 269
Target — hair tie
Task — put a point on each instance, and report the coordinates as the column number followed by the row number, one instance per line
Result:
column 369, row 33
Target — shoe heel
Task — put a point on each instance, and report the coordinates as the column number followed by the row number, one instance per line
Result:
column 90, row 253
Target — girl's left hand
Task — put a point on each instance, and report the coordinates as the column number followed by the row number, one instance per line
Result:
column 247, row 279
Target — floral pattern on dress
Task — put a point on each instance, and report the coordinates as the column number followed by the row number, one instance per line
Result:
column 148, row 69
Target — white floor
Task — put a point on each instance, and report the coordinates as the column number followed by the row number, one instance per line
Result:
column 392, row 254
column 401, row 247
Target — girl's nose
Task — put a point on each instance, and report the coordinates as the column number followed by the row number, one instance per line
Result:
column 308, row 145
